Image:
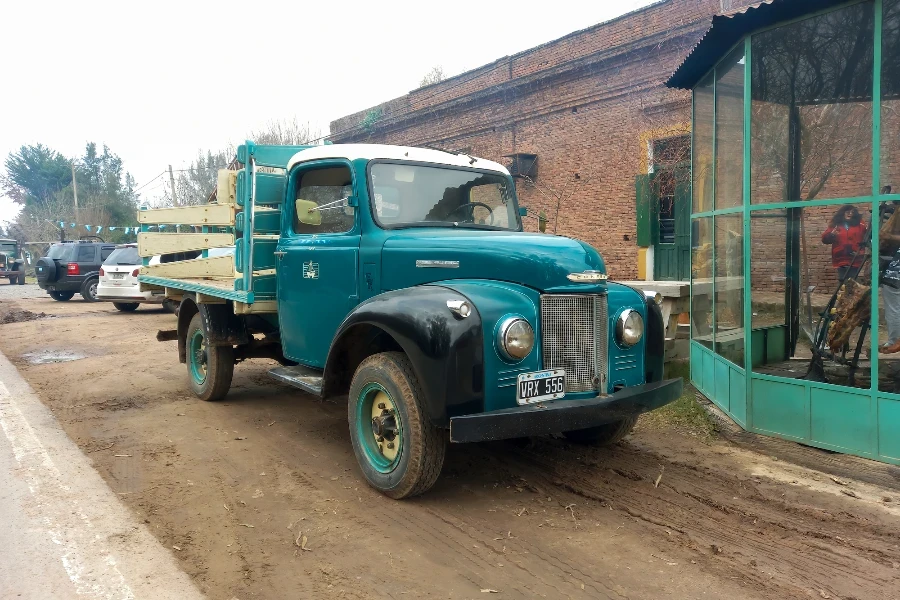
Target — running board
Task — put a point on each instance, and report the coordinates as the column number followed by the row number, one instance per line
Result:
column 307, row 379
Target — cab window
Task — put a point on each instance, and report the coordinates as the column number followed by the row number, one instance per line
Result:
column 325, row 191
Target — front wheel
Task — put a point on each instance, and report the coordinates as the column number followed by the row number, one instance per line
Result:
column 21, row 279
column 399, row 451
column 61, row 296
column 126, row 306
column 210, row 368
column 602, row 435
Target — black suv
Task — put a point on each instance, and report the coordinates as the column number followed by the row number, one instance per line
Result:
column 71, row 267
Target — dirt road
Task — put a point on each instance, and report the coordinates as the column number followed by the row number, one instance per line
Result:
column 259, row 496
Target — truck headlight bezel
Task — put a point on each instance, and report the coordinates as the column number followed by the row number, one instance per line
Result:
column 515, row 338
column 629, row 328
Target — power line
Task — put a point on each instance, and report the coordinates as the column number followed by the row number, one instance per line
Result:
column 149, row 182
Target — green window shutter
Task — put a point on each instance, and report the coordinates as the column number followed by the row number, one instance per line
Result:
column 643, row 209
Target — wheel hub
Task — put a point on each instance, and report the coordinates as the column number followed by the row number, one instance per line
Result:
column 385, row 429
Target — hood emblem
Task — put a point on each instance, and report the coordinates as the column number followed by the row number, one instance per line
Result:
column 587, row 277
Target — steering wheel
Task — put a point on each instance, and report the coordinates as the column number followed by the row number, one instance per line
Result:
column 471, row 206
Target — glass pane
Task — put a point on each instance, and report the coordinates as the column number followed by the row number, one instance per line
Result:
column 888, row 329
column 702, row 151
column 800, row 259
column 701, row 280
column 890, row 97
column 811, row 118
column 729, row 288
column 730, row 130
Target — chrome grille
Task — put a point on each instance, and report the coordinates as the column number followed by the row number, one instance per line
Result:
column 574, row 337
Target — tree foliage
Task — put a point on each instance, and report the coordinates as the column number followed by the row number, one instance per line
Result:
column 40, row 179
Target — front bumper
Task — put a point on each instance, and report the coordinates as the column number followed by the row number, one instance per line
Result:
column 564, row 415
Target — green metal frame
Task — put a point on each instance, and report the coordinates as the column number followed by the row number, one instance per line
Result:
column 728, row 384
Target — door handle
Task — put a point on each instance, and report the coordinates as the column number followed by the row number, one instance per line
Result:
column 279, row 253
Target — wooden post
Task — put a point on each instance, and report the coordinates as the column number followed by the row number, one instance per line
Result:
column 75, row 191
column 172, row 183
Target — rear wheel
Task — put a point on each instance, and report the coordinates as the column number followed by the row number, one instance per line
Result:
column 210, row 368
column 399, row 451
column 61, row 296
column 126, row 306
column 89, row 289
column 602, row 435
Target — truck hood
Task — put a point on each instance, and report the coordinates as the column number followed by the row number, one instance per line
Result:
column 540, row 261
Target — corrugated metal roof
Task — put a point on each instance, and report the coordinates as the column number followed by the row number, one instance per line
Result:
column 727, row 30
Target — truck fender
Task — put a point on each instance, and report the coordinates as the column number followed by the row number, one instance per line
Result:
column 446, row 350
column 654, row 342
column 223, row 327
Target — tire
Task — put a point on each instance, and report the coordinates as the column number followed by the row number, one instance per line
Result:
column 46, row 269
column 210, row 368
column 602, row 435
column 126, row 306
column 413, row 464
column 89, row 289
column 61, row 296
column 22, row 279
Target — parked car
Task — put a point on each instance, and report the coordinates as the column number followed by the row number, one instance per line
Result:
column 118, row 277
column 71, row 267
column 118, row 281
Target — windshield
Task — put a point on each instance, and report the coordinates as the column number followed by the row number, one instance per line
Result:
column 8, row 248
column 61, row 252
column 123, row 256
column 408, row 195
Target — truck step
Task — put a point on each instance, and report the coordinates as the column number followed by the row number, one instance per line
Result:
column 307, row 379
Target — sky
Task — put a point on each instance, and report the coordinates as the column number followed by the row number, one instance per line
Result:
column 159, row 81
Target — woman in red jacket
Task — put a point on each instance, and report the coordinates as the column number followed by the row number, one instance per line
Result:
column 845, row 234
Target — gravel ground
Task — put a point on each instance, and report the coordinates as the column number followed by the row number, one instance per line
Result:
column 17, row 292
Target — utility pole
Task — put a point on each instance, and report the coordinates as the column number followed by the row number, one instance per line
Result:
column 75, row 191
column 172, row 183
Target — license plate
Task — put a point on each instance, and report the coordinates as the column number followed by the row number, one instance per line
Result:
column 541, row 385
column 118, row 275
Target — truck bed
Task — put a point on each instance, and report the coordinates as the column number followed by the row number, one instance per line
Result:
column 245, row 213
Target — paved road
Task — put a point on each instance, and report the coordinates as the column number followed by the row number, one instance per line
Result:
column 64, row 533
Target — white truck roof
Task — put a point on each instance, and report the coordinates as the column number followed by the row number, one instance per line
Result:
column 384, row 151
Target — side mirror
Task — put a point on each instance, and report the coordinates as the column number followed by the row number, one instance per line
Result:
column 308, row 212
column 523, row 211
column 28, row 257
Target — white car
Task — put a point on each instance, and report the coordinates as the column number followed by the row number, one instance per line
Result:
column 119, row 280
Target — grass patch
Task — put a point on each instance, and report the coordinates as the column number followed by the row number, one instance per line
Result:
column 685, row 415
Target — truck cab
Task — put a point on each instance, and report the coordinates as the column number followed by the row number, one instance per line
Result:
column 401, row 278
column 12, row 261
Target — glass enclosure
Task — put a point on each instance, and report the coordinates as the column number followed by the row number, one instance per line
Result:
column 795, row 240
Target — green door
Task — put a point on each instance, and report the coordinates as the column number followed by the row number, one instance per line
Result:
column 670, row 223
column 318, row 262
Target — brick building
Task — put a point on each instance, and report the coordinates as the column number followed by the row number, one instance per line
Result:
column 580, row 117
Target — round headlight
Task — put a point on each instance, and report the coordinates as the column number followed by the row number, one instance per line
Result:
column 515, row 338
column 629, row 328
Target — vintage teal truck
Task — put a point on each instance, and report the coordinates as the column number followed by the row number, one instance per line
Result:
column 401, row 278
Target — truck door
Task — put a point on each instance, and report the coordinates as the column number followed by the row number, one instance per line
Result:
column 317, row 260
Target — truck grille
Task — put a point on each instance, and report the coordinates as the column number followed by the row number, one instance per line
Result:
column 575, row 338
